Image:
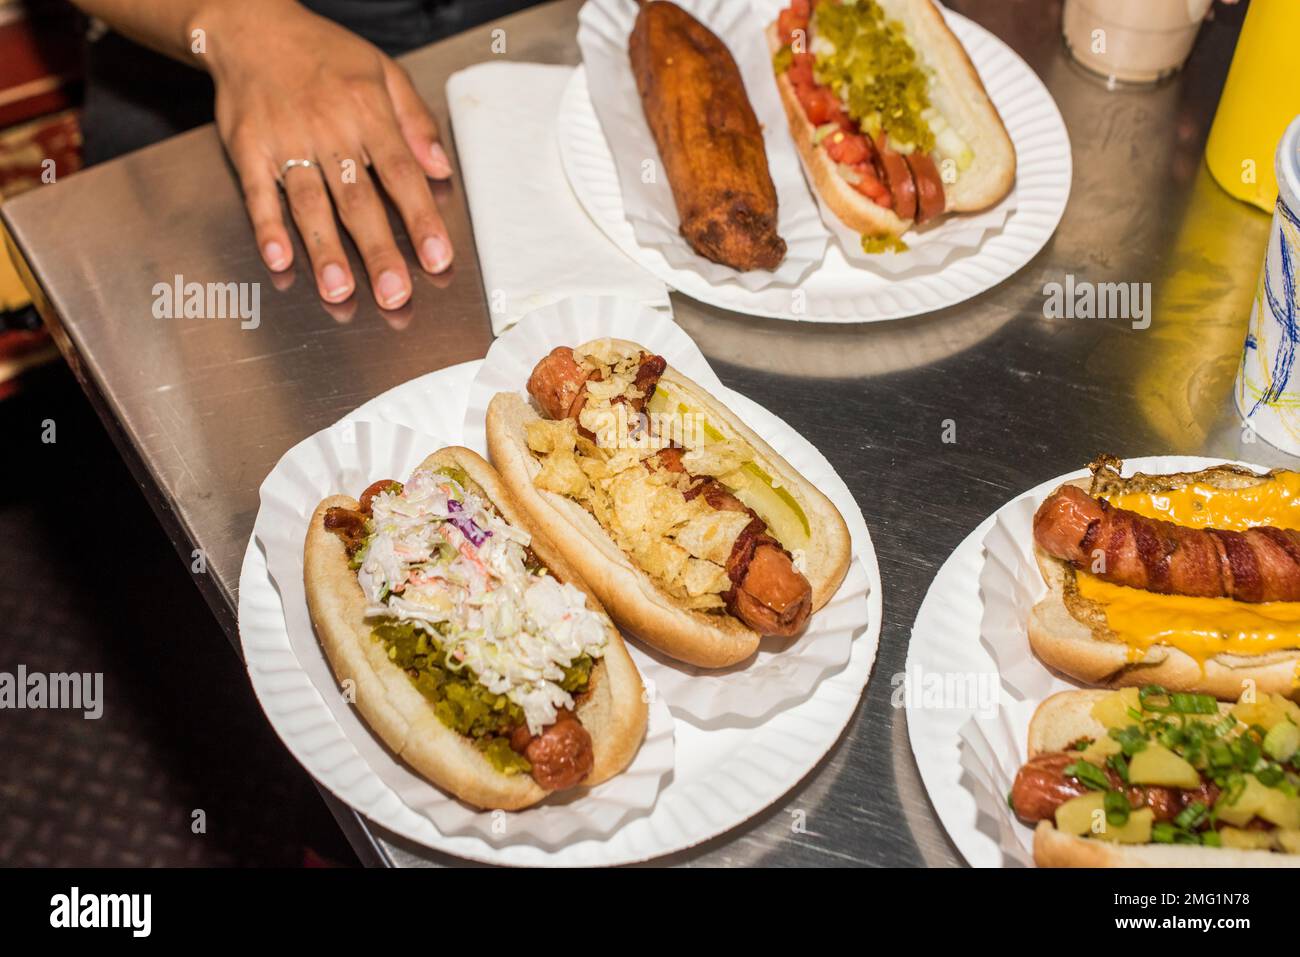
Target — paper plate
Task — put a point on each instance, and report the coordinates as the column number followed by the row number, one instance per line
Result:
column 721, row 777
column 838, row 291
column 967, row 755
column 345, row 459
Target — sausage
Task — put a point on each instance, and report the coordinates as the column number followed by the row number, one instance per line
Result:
column 561, row 755
column 350, row 524
column 557, row 384
column 647, row 379
column 368, row 496
column 1042, row 786
column 773, row 598
column 898, row 175
column 1256, row 565
column 716, row 494
column 710, row 141
column 667, row 459
column 929, row 187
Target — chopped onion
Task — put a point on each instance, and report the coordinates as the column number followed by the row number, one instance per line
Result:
column 823, row 131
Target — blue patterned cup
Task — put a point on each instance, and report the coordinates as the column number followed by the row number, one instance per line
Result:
column 1268, row 382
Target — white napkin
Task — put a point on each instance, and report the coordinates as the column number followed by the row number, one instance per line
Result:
column 536, row 244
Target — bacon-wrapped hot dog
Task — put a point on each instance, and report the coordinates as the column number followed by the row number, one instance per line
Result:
column 1190, row 580
column 1255, row 565
column 695, row 533
column 769, row 594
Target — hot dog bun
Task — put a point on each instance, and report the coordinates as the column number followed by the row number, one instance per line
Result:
column 956, row 92
column 636, row 602
column 614, row 713
column 1065, row 718
column 1070, row 634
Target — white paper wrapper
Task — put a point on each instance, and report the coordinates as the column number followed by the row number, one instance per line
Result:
column 928, row 248
column 992, row 751
column 783, row 672
column 345, row 459
column 603, row 30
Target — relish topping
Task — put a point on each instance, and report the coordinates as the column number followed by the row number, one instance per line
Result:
column 867, row 60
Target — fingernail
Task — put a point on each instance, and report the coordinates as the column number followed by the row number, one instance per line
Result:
column 275, row 257
column 436, row 254
column 441, row 164
column 391, row 289
column 335, row 281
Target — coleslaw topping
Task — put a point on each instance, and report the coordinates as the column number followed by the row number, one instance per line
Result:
column 441, row 559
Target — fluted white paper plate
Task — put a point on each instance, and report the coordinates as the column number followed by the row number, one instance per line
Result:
column 345, row 459
column 648, row 207
column 972, row 625
column 783, row 671
column 838, row 291
column 722, row 775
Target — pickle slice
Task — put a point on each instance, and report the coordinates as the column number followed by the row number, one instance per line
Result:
column 750, row 483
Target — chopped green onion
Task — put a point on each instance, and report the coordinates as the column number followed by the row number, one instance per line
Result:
column 1246, row 753
column 1131, row 740
column 1192, row 816
column 1091, row 775
column 1227, row 724
column 1157, row 700
column 1117, row 764
column 1117, row 808
column 1270, row 776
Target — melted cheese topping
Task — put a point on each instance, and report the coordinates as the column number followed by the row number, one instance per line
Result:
column 1274, row 502
column 1204, row 627
column 1199, row 627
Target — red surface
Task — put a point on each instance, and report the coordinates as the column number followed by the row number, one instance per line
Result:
column 32, row 50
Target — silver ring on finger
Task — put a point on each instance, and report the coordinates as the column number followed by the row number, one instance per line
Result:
column 295, row 164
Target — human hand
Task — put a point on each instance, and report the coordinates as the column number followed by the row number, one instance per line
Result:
column 292, row 85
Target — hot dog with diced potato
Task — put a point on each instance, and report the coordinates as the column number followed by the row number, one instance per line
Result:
column 1146, row 777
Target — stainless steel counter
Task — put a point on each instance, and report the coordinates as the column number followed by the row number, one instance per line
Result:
column 201, row 409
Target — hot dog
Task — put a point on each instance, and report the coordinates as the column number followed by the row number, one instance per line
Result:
column 701, row 541
column 475, row 651
column 769, row 594
column 1189, row 580
column 1256, row 565
column 709, row 139
column 1145, row 777
column 898, row 131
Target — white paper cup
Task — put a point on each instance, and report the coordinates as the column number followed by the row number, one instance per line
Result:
column 1268, row 389
column 1132, row 42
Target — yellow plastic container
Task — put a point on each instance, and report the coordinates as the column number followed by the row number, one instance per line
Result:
column 1261, row 96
